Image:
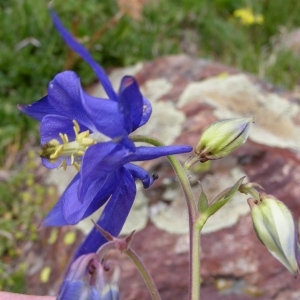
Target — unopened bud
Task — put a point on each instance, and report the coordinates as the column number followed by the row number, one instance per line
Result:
column 222, row 137
column 274, row 226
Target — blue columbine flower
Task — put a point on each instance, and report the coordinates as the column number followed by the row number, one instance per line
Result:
column 92, row 134
column 86, row 280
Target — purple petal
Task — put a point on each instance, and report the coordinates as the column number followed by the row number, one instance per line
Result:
column 148, row 153
column 53, row 125
column 130, row 103
column 104, row 115
column 98, row 161
column 75, row 209
column 53, row 165
column 67, row 95
column 64, row 93
column 127, row 143
column 114, row 214
column 38, row 109
column 138, row 172
column 75, row 46
column 71, row 290
column 55, row 216
column 70, row 210
column 147, row 111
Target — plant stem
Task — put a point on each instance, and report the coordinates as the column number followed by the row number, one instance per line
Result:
column 111, row 245
column 144, row 272
column 194, row 234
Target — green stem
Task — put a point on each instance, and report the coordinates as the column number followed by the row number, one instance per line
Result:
column 144, row 272
column 194, row 290
column 111, row 245
column 195, row 264
column 108, row 246
column 201, row 222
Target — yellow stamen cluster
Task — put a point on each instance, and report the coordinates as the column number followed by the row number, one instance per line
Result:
column 53, row 150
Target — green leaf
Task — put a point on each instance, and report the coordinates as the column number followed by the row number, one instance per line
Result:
column 224, row 197
column 203, row 202
column 218, row 202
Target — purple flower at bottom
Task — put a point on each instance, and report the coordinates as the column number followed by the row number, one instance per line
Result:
column 93, row 135
column 86, row 280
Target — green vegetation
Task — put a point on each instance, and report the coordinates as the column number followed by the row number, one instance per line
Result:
column 31, row 53
column 23, row 196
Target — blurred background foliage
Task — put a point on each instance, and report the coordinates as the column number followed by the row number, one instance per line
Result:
column 249, row 35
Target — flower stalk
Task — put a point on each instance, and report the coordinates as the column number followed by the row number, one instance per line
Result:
column 194, row 233
column 123, row 245
column 144, row 273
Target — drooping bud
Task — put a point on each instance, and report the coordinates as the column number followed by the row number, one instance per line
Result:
column 222, row 137
column 250, row 188
column 274, row 226
column 86, row 280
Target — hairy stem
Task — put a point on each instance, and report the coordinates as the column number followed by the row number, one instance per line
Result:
column 111, row 245
column 144, row 272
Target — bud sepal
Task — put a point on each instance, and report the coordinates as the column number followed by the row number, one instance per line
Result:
column 275, row 228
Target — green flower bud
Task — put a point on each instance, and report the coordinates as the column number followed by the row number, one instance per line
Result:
column 222, row 137
column 274, row 226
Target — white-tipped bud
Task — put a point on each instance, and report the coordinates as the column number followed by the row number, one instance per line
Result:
column 275, row 228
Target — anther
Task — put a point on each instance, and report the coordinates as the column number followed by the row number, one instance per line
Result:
column 76, row 128
column 83, row 135
column 76, row 125
column 62, row 137
column 87, row 141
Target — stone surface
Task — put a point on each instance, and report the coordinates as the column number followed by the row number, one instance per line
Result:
column 187, row 94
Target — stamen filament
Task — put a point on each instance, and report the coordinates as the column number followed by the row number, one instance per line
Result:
column 76, row 128
column 63, row 165
column 57, row 152
column 77, row 166
column 66, row 138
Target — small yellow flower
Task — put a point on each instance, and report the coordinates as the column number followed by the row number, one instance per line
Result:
column 70, row 238
column 45, row 274
column 247, row 17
